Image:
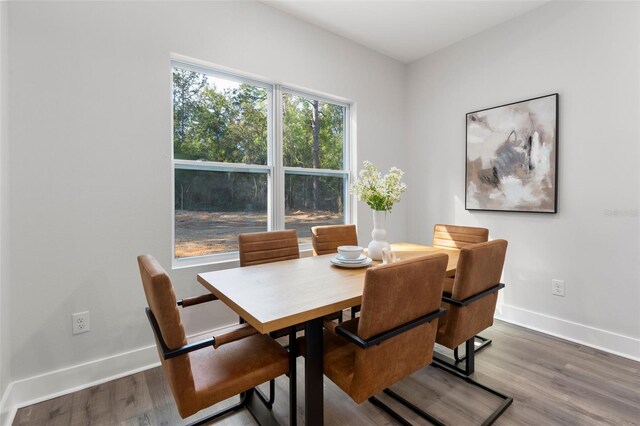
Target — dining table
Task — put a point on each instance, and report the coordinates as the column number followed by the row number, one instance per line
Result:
column 285, row 294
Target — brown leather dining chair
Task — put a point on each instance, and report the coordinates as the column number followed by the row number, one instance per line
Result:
column 457, row 237
column 266, row 247
column 395, row 334
column 327, row 239
column 203, row 373
column 472, row 302
column 470, row 309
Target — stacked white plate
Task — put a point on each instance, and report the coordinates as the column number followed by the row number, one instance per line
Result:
column 359, row 262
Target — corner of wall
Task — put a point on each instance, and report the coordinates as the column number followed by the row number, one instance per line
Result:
column 4, row 206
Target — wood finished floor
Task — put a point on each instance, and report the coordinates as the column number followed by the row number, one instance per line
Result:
column 552, row 381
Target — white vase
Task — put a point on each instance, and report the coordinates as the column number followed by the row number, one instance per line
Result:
column 379, row 235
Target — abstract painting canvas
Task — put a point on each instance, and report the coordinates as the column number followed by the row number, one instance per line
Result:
column 512, row 154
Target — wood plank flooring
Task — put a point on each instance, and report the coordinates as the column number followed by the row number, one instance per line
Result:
column 552, row 381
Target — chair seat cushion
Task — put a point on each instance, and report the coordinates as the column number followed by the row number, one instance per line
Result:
column 235, row 367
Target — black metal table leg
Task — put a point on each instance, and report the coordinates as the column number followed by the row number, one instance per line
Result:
column 313, row 369
column 293, row 397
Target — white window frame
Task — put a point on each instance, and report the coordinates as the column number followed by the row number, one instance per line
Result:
column 274, row 169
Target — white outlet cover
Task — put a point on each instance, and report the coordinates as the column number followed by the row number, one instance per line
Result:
column 557, row 287
column 80, row 322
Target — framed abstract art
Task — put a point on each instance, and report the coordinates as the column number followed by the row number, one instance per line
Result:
column 512, row 157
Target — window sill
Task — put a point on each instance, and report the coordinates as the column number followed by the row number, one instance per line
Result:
column 224, row 260
column 196, row 262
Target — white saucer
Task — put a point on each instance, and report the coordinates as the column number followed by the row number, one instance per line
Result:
column 360, row 264
column 359, row 259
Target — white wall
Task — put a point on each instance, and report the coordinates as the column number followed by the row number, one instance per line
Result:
column 589, row 54
column 4, row 229
column 91, row 152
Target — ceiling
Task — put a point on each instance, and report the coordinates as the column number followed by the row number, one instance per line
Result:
column 404, row 30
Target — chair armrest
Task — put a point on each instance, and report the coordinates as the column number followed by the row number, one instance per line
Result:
column 330, row 325
column 237, row 332
column 190, row 301
column 182, row 350
column 469, row 300
column 349, row 325
column 379, row 338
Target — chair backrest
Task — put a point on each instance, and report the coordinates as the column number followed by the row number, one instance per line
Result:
column 162, row 302
column 327, row 239
column 479, row 268
column 457, row 237
column 267, row 247
column 393, row 295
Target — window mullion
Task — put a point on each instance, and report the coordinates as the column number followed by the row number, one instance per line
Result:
column 278, row 174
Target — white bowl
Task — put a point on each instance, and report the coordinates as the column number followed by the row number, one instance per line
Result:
column 350, row 252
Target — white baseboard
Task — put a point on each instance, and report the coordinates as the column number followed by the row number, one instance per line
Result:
column 42, row 387
column 607, row 341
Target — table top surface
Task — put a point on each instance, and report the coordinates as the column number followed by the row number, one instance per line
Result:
column 278, row 295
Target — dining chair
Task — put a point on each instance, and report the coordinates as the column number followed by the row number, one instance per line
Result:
column 203, row 373
column 266, row 247
column 457, row 237
column 472, row 301
column 469, row 310
column 395, row 333
column 327, row 239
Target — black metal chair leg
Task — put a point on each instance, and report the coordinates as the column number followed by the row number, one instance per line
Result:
column 428, row 417
column 506, row 400
column 469, row 358
column 221, row 413
column 484, row 342
column 470, row 362
column 397, row 417
column 272, row 395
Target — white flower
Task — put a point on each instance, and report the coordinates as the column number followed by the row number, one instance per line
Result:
column 379, row 192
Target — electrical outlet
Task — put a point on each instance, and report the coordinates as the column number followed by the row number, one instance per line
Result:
column 80, row 322
column 557, row 287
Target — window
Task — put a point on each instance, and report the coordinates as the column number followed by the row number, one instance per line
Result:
column 234, row 173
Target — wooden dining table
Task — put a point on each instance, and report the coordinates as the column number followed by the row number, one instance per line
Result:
column 280, row 295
